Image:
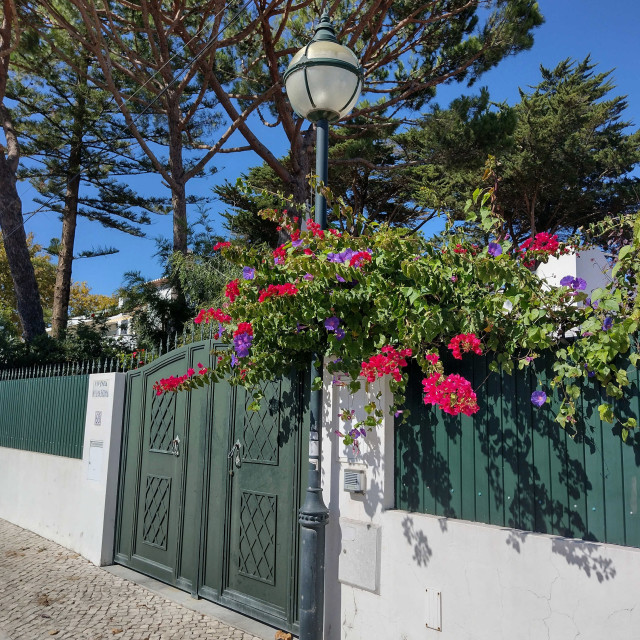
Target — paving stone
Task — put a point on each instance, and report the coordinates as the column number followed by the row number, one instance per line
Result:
column 45, row 588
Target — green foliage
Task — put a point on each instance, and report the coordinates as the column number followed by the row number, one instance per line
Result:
column 84, row 341
column 559, row 159
column 414, row 294
column 45, row 273
column 68, row 130
column 202, row 277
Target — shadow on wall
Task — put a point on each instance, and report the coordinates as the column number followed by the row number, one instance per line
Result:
column 512, row 465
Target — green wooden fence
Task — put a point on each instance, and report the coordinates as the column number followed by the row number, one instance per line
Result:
column 512, row 465
column 44, row 414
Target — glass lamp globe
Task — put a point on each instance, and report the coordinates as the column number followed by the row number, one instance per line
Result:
column 324, row 79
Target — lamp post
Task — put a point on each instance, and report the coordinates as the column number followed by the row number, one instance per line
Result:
column 323, row 82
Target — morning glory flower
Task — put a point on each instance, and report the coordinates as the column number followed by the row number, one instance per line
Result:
column 340, row 333
column 332, row 323
column 307, row 276
column 538, row 398
column 494, row 249
column 248, row 273
column 607, row 324
column 296, row 243
column 579, row 284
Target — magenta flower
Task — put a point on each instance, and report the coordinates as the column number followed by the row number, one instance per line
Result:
column 538, row 398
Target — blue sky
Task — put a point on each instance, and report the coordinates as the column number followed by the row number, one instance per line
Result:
column 573, row 29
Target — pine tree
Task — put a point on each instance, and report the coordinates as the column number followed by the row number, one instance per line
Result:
column 11, row 221
column 78, row 154
column 406, row 50
column 559, row 159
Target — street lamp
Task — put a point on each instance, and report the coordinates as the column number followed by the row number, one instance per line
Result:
column 323, row 82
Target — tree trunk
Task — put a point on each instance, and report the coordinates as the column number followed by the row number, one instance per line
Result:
column 301, row 190
column 176, row 164
column 15, row 245
column 179, row 202
column 62, row 291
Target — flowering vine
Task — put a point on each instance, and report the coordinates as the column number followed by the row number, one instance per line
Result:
column 372, row 303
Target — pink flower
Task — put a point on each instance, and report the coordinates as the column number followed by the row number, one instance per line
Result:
column 277, row 290
column 232, row 290
column 465, row 342
column 388, row 362
column 452, row 394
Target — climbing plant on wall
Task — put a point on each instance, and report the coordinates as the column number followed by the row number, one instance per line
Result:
column 370, row 303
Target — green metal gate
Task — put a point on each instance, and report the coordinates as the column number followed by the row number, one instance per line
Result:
column 209, row 491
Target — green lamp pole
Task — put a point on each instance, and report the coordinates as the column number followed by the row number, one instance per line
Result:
column 323, row 82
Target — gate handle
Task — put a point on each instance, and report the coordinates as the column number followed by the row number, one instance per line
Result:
column 235, row 451
column 175, row 446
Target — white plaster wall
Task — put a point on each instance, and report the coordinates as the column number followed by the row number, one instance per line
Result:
column 589, row 264
column 62, row 499
column 494, row 583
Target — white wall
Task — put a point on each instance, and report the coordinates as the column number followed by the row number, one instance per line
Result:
column 389, row 573
column 589, row 264
column 67, row 500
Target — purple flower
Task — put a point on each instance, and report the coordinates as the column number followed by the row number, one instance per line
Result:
column 241, row 344
column 307, row 276
column 398, row 413
column 538, row 398
column 248, row 273
column 332, row 323
column 590, row 373
column 296, row 243
column 339, row 278
column 340, row 333
column 301, row 327
column 494, row 249
column 340, row 258
column 347, row 254
column 579, row 284
column 607, row 324
column 454, row 278
column 234, row 360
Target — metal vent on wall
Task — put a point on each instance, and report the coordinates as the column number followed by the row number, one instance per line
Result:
column 353, row 481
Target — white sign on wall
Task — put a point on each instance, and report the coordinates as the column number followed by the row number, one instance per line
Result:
column 96, row 456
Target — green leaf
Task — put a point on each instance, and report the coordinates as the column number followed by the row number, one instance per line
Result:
column 606, row 413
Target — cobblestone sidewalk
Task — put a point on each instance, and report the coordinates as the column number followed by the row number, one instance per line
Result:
column 47, row 591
